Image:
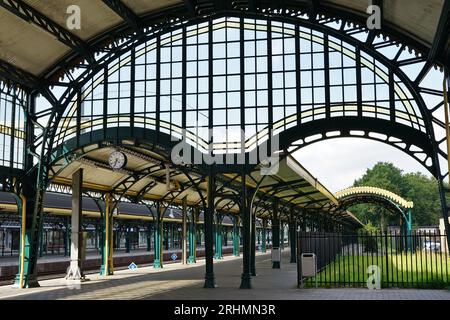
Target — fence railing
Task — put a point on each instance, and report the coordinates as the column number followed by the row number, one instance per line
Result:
column 417, row 260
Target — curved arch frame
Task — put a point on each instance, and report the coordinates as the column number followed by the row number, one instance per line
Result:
column 324, row 29
column 392, row 202
column 45, row 141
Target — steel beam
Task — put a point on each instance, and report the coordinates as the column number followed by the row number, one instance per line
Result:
column 441, row 39
column 253, row 5
column 31, row 15
column 125, row 13
column 314, row 6
column 191, row 6
column 15, row 75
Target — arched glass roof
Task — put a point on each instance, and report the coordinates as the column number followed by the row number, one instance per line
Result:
column 193, row 77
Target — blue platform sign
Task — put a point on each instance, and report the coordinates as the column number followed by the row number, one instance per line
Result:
column 174, row 256
column 132, row 266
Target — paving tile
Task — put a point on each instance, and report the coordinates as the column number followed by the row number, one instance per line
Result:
column 177, row 281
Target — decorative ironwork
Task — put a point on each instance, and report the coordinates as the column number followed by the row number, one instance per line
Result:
column 304, row 71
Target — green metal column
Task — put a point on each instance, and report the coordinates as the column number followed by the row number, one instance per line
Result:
column 19, row 281
column 29, row 240
column 192, row 237
column 293, row 237
column 184, row 231
column 253, row 246
column 107, row 267
column 275, row 234
column 218, row 236
column 246, row 232
column 32, row 207
column 149, row 237
column 409, row 230
column 281, row 235
column 42, row 239
column 263, row 236
column 208, row 226
column 127, row 239
column 236, row 237
column 157, row 233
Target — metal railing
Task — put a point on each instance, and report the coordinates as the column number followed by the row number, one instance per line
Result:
column 417, row 260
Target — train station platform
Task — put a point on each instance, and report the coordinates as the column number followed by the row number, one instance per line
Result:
column 51, row 265
column 180, row 282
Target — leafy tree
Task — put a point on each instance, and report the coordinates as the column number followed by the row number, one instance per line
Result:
column 369, row 227
column 416, row 187
column 425, row 194
column 383, row 175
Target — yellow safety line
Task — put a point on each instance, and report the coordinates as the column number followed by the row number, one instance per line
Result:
column 22, row 247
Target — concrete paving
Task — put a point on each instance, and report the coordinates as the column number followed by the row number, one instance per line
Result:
column 177, row 281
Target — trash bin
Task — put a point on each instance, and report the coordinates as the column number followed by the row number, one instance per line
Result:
column 308, row 266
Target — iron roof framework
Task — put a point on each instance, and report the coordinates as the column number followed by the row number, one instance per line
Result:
column 61, row 124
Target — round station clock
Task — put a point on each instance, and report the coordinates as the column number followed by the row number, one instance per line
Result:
column 117, row 160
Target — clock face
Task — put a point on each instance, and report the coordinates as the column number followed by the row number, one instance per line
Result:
column 117, row 160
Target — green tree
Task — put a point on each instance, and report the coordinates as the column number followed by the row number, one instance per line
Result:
column 383, row 175
column 386, row 176
column 424, row 192
column 416, row 187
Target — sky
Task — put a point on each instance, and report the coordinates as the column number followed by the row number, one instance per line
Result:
column 337, row 163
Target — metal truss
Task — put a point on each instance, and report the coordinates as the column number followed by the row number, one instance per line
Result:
column 125, row 13
column 378, row 55
column 416, row 139
column 31, row 15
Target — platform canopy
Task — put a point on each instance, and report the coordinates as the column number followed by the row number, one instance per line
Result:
column 35, row 37
column 145, row 179
column 352, row 193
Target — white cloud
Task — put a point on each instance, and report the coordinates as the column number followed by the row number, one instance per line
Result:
column 338, row 162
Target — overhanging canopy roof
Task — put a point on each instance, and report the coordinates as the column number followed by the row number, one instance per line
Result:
column 367, row 194
column 34, row 36
column 144, row 178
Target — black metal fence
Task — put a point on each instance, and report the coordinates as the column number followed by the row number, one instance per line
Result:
column 419, row 260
